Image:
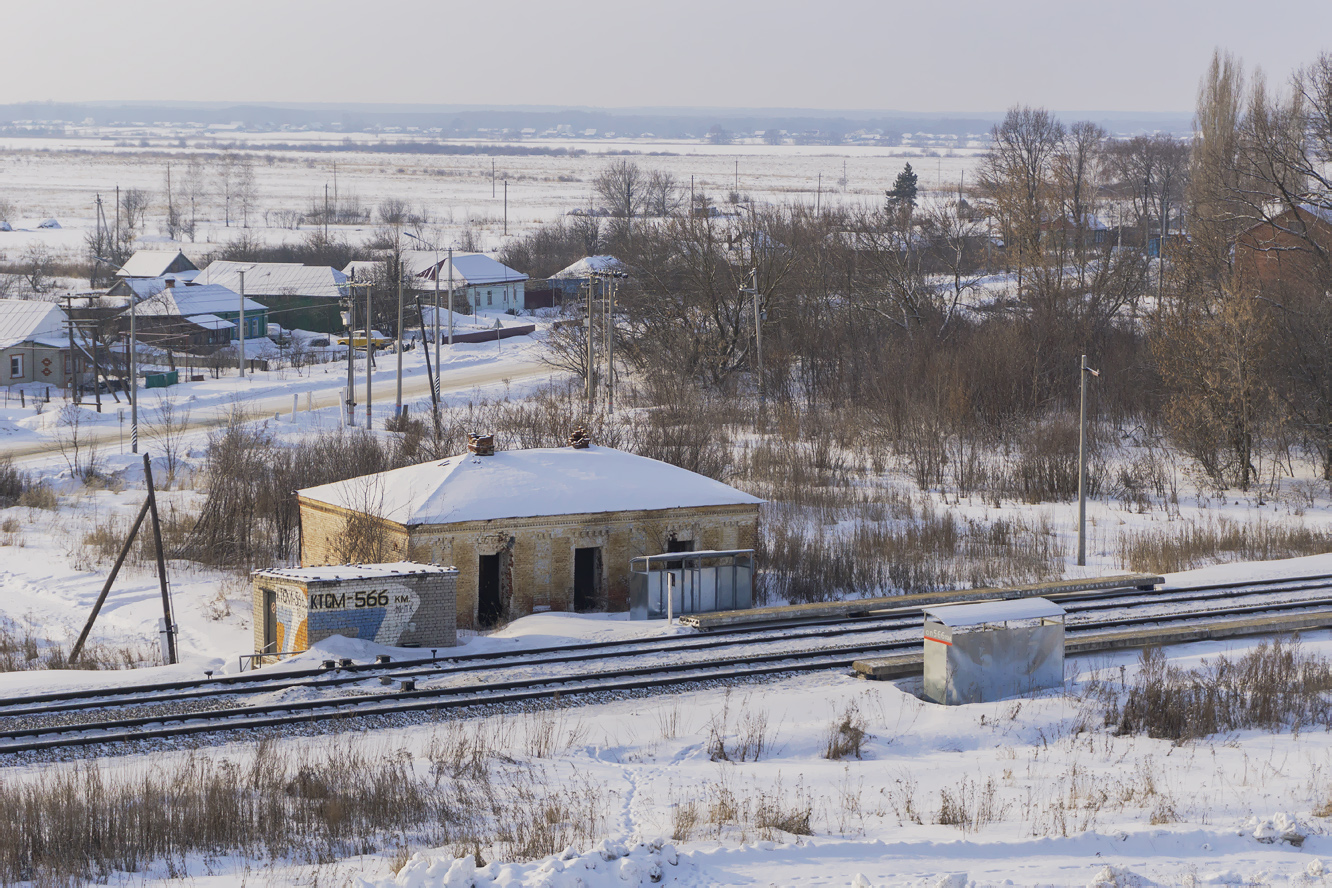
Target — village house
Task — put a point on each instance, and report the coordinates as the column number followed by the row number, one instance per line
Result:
column 550, row 528
column 1292, row 249
column 158, row 264
column 34, row 345
column 571, row 279
column 197, row 319
column 478, row 281
column 305, row 297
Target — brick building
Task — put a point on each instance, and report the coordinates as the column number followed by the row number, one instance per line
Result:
column 1292, row 250
column 548, row 528
column 401, row 604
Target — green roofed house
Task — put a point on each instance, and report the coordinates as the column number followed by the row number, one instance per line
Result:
column 304, row 297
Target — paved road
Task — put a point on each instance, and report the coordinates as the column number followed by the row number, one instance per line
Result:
column 385, row 390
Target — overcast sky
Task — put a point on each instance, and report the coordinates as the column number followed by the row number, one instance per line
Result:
column 940, row 56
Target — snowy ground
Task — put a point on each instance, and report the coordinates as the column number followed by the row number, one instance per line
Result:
column 36, row 426
column 60, row 179
column 1053, row 798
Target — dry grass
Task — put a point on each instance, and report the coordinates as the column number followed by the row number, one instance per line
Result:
column 846, row 735
column 1276, row 685
column 63, row 826
column 22, row 649
column 1183, row 545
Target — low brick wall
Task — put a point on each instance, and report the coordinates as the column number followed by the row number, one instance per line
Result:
column 399, row 610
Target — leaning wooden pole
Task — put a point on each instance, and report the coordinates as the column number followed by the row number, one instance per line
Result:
column 101, row 599
column 161, row 562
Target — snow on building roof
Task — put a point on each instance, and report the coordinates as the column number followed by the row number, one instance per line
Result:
column 332, row 572
column 588, row 265
column 469, row 269
column 156, row 264
column 527, row 483
column 195, row 300
column 23, row 319
column 957, row 615
column 210, row 322
column 277, row 278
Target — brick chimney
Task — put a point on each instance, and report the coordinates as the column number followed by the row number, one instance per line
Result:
column 481, row 445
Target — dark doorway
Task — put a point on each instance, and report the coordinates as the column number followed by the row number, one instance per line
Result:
column 270, row 621
column 674, row 545
column 488, row 604
column 587, row 579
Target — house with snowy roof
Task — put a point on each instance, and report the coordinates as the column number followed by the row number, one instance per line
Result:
column 484, row 282
column 158, row 264
column 305, row 297
column 199, row 319
column 548, row 528
column 572, row 278
column 34, row 345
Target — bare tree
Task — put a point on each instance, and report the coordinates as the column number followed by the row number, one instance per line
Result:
column 76, row 446
column 168, row 424
column 38, row 265
column 623, row 188
column 246, row 191
column 193, row 187
column 1015, row 176
column 662, row 194
column 134, row 203
column 225, row 183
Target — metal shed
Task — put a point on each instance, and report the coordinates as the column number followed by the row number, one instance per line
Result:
column 705, row 581
column 975, row 653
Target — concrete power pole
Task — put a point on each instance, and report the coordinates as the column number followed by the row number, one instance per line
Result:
column 1082, row 463
column 241, row 326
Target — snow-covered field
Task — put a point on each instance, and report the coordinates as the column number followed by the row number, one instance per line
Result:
column 46, row 178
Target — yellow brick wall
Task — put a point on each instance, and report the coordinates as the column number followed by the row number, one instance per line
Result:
column 541, row 550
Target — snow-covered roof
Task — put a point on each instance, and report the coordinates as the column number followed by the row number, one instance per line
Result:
column 981, row 612
column 277, row 278
column 196, row 300
column 23, row 319
column 210, row 322
column 469, row 269
column 588, row 265
column 331, row 572
column 527, row 483
column 156, row 264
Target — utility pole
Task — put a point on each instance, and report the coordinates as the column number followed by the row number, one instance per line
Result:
column 348, row 321
column 134, row 376
column 168, row 619
column 492, row 177
column 610, row 347
column 73, row 360
column 397, row 404
column 241, row 328
column 436, row 377
column 369, row 356
column 1082, row 463
column 590, row 284
column 758, row 336
column 506, row 207
column 818, row 194
column 325, row 212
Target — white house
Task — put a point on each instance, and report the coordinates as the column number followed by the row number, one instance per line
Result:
column 484, row 282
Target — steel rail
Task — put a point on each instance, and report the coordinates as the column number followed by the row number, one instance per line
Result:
column 881, row 622
column 245, row 718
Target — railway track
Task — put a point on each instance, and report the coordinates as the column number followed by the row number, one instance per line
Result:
column 70, row 719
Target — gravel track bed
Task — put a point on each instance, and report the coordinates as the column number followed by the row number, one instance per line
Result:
column 364, row 724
